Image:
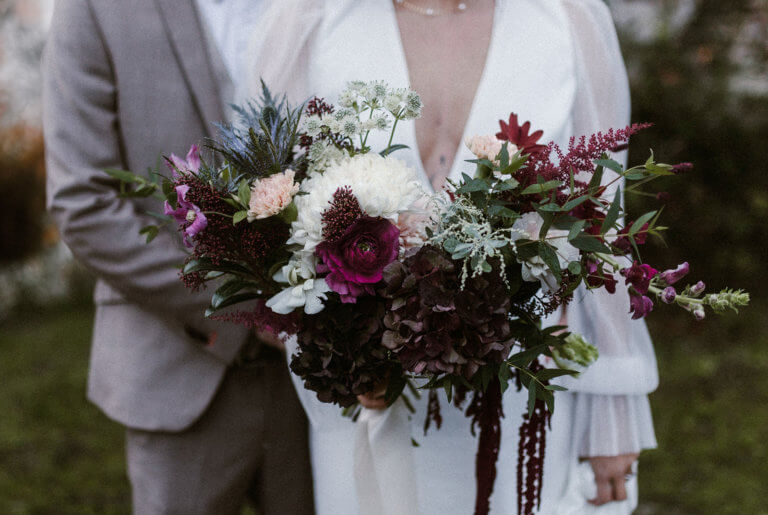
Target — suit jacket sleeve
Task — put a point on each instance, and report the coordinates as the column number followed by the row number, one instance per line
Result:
column 82, row 134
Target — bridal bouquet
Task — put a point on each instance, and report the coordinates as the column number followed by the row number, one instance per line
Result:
column 312, row 233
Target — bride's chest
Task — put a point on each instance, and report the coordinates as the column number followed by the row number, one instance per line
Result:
column 529, row 69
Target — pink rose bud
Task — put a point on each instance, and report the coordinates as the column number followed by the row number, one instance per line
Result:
column 668, row 295
column 698, row 288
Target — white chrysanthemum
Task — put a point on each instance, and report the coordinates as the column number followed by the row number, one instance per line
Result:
column 384, row 186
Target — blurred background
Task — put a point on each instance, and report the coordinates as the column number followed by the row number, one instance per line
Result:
column 699, row 71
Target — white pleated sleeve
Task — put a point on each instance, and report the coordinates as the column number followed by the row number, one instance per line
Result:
column 612, row 415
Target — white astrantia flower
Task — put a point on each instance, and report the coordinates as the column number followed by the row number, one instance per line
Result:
column 313, row 126
column 323, row 154
column 393, row 101
column 528, row 227
column 413, row 105
column 347, row 98
column 384, row 186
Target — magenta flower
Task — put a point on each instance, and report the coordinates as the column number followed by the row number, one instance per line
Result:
column 187, row 215
column 640, row 306
column 623, row 243
column 597, row 277
column 669, row 295
column 189, row 165
column 682, row 168
column 639, row 276
column 355, row 261
column 672, row 276
column 698, row 288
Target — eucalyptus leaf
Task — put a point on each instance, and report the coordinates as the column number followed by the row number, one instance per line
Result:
column 640, row 222
column 549, row 256
column 239, row 217
column 575, row 229
column 151, row 231
column 541, row 188
column 589, row 243
column 613, row 213
column 392, row 148
column 610, row 164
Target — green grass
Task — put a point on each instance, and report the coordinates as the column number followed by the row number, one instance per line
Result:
column 58, row 454
column 711, row 416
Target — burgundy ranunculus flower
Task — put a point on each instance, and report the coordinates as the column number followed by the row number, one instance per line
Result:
column 639, row 276
column 640, row 306
column 672, row 276
column 355, row 261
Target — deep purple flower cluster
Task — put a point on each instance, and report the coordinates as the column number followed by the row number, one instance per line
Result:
column 340, row 353
column 639, row 276
column 434, row 326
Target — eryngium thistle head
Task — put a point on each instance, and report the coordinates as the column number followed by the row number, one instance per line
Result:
column 434, row 326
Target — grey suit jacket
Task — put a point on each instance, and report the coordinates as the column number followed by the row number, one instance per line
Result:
column 126, row 82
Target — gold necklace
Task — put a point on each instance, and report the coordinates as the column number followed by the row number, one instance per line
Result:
column 431, row 11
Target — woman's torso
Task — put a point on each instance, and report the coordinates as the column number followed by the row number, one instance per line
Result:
column 529, row 70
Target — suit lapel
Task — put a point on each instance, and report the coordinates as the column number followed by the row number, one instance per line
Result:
column 183, row 27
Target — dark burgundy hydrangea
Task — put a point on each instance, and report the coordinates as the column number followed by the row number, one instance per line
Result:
column 340, row 353
column 434, row 326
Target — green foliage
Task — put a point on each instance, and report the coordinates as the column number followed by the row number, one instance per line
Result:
column 59, row 453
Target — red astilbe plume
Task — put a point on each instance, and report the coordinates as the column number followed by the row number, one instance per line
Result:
column 345, row 210
column 518, row 135
column 263, row 318
column 554, row 164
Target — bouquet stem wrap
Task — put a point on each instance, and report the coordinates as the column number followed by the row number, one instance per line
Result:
column 385, row 478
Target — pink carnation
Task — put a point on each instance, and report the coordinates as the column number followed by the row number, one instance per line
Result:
column 488, row 147
column 271, row 195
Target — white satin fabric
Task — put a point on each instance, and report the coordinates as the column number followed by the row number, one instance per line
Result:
column 558, row 64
